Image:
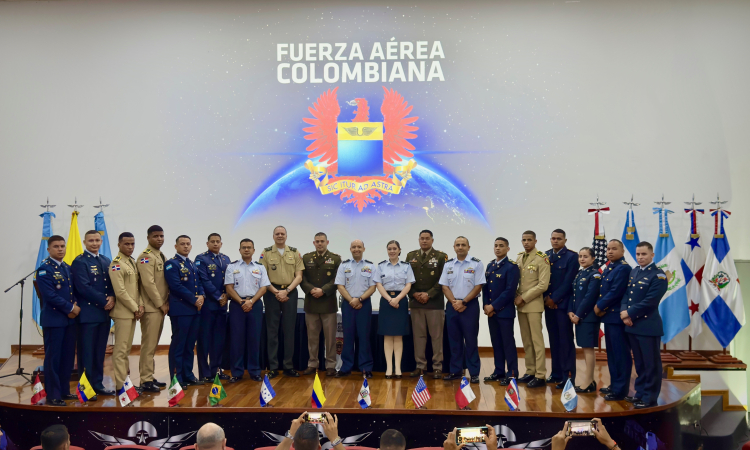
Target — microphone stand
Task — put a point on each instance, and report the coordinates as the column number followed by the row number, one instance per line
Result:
column 20, row 371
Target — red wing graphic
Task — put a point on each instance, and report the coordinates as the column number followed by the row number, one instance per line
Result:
column 323, row 130
column 397, row 128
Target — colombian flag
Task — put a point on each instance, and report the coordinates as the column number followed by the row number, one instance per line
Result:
column 318, row 397
column 85, row 391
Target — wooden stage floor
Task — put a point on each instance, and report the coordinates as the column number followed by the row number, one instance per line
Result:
column 341, row 393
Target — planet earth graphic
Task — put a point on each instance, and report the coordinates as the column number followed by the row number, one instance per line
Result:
column 426, row 195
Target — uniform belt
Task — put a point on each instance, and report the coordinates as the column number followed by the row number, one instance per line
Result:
column 392, row 294
column 249, row 297
column 279, row 286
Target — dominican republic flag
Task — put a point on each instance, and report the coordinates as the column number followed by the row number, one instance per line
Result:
column 175, row 392
column 364, row 395
column 673, row 306
column 421, row 394
column 512, row 397
column 600, row 239
column 266, row 392
column 694, row 258
column 721, row 300
column 127, row 392
column 630, row 238
column 464, row 395
column 569, row 398
column 39, row 392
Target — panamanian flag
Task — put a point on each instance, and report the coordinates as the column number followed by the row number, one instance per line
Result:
column 695, row 259
column 721, row 300
column 674, row 305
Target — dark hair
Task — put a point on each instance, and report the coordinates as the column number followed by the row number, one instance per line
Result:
column 618, row 241
column 212, row 235
column 91, row 232
column 54, row 437
column 426, row 231
column 397, row 245
column 558, row 230
column 646, row 244
column 153, row 228
column 54, row 238
column 182, row 236
column 392, row 440
column 461, row 237
column 306, row 437
column 247, row 240
column 320, row 233
column 123, row 235
column 502, row 239
column 529, row 232
column 588, row 249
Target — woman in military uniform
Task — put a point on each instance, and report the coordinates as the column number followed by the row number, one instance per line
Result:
column 581, row 312
column 394, row 279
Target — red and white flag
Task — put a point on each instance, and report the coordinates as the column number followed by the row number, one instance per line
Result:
column 421, row 394
column 464, row 395
column 694, row 258
column 39, row 392
column 127, row 392
column 175, row 392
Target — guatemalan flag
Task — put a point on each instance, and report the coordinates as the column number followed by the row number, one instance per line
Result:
column 695, row 258
column 673, row 307
column 721, row 300
column 464, row 395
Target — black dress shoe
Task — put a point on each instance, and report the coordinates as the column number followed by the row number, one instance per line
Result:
column 612, row 397
column 589, row 389
column 70, row 397
column 291, row 373
column 632, row 400
column 235, row 379
column 55, row 402
column 388, row 377
column 642, row 404
column 475, row 379
column 605, row 390
column 256, row 378
column 438, row 374
column 223, row 376
column 560, row 385
column 193, row 382
column 309, row 371
column 525, row 378
column 452, row 376
column 139, row 390
column 149, row 386
column 416, row 373
column 552, row 379
column 159, row 383
column 343, row 373
column 398, row 377
column 505, row 381
column 273, row 374
column 537, row 382
column 330, row 372
column 493, row 377
column 207, row 380
column 104, row 392
column 367, row 373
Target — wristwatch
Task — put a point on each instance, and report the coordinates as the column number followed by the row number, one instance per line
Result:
column 336, row 442
column 288, row 436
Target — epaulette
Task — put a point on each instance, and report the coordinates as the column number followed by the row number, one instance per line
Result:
column 345, row 261
column 206, row 253
column 404, row 262
column 368, row 261
column 292, row 249
column 475, row 259
column 234, row 262
column 624, row 262
column 450, row 260
column 521, row 253
column 268, row 249
column 117, row 258
column 541, row 254
column 381, row 262
column 148, row 250
column 512, row 262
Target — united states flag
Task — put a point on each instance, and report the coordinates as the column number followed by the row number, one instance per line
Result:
column 421, row 394
column 600, row 252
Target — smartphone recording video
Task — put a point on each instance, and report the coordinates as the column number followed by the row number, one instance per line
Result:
column 472, row 435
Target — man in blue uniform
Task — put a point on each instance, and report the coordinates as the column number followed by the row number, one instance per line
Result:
column 245, row 282
column 93, row 292
column 211, row 266
column 462, row 281
column 356, row 280
column 186, row 297
column 614, row 283
column 563, row 269
column 498, row 293
column 643, row 325
column 59, row 311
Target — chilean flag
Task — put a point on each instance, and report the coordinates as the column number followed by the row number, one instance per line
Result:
column 464, row 395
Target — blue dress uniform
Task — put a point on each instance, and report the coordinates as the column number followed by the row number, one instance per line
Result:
column 394, row 278
column 244, row 344
column 611, row 292
column 563, row 269
column 213, row 316
column 500, row 291
column 463, row 328
column 184, row 286
column 356, row 277
column 586, row 289
column 91, row 286
column 646, row 288
column 56, row 289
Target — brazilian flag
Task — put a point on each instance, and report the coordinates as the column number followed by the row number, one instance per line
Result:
column 217, row 392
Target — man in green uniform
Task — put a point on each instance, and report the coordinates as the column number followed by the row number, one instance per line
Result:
column 318, row 283
column 427, row 303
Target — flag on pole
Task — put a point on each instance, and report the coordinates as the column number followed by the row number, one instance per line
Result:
column 600, row 239
column 363, row 398
column 127, row 392
column 421, row 394
column 464, row 395
column 39, row 392
column 85, row 391
column 74, row 246
column 721, row 300
column 101, row 227
column 266, row 392
column 569, row 398
column 673, row 306
column 512, row 397
column 36, row 309
column 217, row 393
column 630, row 237
column 175, row 391
column 694, row 258
column 318, row 396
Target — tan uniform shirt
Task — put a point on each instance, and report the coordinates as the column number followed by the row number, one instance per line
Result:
column 124, row 276
column 154, row 287
column 280, row 268
column 534, row 281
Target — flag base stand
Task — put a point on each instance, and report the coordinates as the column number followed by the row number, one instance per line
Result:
column 39, row 351
column 691, row 356
column 668, row 358
column 601, row 355
column 724, row 358
column 465, row 408
column 421, row 407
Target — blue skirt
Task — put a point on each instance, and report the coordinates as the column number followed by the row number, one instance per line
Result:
column 587, row 334
column 392, row 321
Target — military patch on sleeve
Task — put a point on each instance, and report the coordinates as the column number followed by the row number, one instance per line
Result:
column 42, row 272
column 596, row 275
column 661, row 276
column 169, row 266
column 446, row 258
column 197, row 263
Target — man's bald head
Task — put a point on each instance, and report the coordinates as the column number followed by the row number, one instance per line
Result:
column 210, row 437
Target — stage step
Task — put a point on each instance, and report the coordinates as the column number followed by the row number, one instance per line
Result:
column 719, row 428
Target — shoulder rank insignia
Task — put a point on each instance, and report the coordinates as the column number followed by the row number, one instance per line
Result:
column 381, row 262
column 446, row 257
column 292, row 249
column 449, row 260
column 624, row 262
column 346, row 261
column 541, row 254
column 367, row 261
column 148, row 250
column 268, row 249
column 521, row 253
column 117, row 258
column 512, row 262
column 475, row 259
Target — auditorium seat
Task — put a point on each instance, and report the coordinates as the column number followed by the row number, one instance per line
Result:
column 355, row 447
column 192, row 447
column 72, row 447
column 427, row 448
column 130, row 447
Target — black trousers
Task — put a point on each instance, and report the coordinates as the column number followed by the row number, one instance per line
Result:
column 284, row 315
column 647, row 358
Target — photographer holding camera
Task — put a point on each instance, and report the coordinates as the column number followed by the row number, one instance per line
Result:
column 305, row 435
column 560, row 440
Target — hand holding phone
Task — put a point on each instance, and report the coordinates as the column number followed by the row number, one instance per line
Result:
column 471, row 435
column 315, row 417
column 582, row 428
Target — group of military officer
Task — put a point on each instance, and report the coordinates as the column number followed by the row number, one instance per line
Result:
column 195, row 295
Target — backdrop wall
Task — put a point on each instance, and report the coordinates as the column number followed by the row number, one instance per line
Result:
column 190, row 115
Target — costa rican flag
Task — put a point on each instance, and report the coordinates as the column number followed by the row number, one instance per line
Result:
column 144, row 260
column 127, row 392
column 421, row 394
column 115, row 268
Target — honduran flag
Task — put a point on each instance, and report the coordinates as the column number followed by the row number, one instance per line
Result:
column 127, row 392
column 464, row 395
column 721, row 300
column 673, row 307
column 266, row 392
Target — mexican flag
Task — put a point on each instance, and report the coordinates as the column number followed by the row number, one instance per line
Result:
column 175, row 392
